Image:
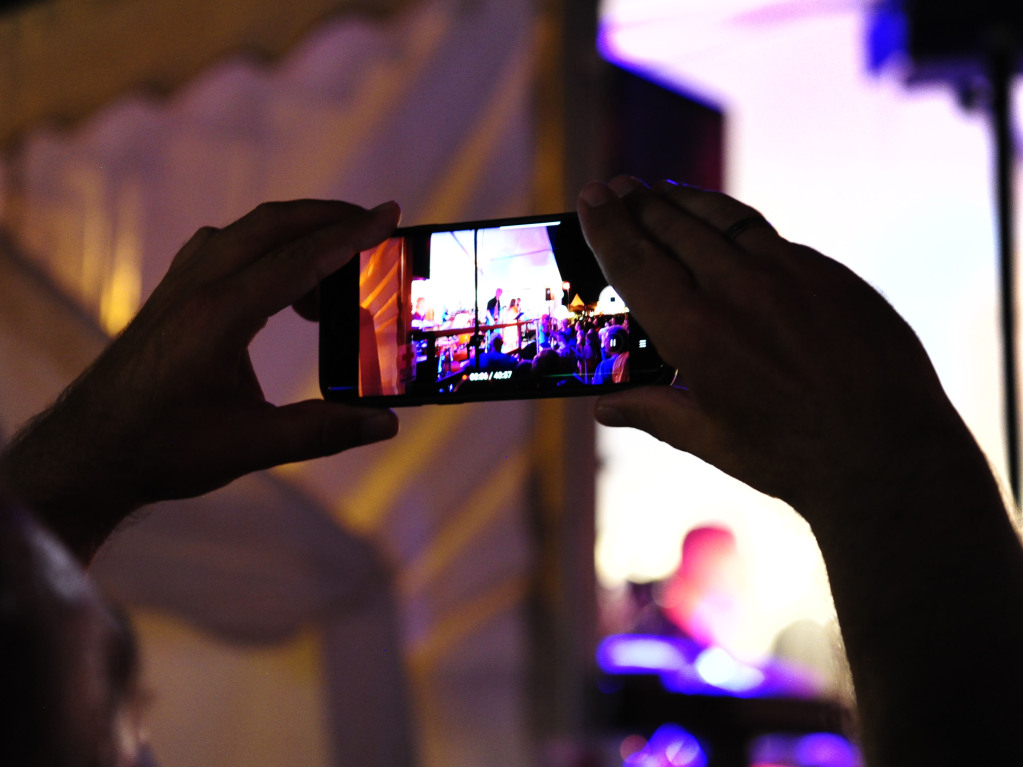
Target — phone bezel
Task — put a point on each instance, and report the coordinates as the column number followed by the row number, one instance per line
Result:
column 340, row 329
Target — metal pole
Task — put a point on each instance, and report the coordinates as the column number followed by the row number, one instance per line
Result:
column 1001, row 72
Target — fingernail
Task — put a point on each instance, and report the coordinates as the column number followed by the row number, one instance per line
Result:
column 596, row 193
column 625, row 185
column 378, row 426
column 389, row 205
column 610, row 416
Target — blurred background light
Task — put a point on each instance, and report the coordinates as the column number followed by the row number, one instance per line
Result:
column 670, row 746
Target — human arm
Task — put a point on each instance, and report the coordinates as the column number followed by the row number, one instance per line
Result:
column 801, row 381
column 172, row 408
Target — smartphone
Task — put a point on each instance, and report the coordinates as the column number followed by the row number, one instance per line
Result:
column 479, row 310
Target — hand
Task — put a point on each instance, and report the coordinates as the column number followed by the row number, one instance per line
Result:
column 800, row 380
column 796, row 377
column 173, row 408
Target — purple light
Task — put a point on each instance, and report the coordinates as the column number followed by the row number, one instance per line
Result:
column 826, row 749
column 819, row 749
column 670, row 746
column 687, row 667
column 642, row 654
column 716, row 667
column 620, row 49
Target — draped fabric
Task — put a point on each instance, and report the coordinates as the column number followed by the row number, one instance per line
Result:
column 266, row 580
column 253, row 578
column 63, row 60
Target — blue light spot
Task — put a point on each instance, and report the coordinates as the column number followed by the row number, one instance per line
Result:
column 670, row 746
column 623, row 653
column 826, row 749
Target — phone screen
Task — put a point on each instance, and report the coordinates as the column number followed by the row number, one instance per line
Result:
column 481, row 310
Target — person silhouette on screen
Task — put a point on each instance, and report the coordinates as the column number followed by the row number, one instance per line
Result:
column 494, row 308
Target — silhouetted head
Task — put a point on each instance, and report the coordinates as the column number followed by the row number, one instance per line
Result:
column 69, row 661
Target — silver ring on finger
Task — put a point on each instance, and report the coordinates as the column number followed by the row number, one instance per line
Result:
column 744, row 225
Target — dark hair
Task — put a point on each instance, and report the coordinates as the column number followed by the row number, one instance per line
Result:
column 46, row 722
column 547, row 363
column 30, row 695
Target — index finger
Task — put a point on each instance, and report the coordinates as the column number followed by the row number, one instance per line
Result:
column 627, row 254
column 655, row 284
column 721, row 213
column 269, row 226
column 288, row 273
column 708, row 232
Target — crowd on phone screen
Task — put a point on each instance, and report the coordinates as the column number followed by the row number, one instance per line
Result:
column 577, row 350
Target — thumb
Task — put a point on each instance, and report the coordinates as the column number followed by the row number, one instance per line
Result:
column 675, row 417
column 670, row 414
column 314, row 429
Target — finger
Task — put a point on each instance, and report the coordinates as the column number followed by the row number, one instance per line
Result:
column 674, row 416
column 268, row 227
column 307, row 430
column 626, row 185
column 722, row 213
column 712, row 259
column 665, row 412
column 308, row 306
column 193, row 246
column 183, row 264
column 633, row 262
column 287, row 274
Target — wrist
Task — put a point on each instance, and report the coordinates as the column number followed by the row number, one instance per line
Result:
column 59, row 468
column 928, row 470
column 924, row 564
